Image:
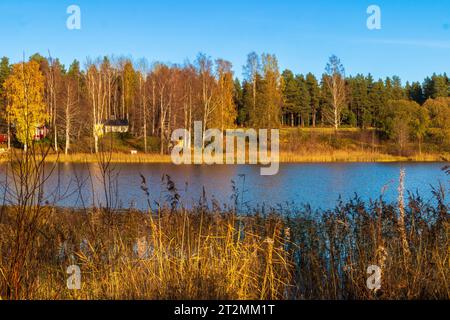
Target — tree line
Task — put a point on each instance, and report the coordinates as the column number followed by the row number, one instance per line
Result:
column 75, row 102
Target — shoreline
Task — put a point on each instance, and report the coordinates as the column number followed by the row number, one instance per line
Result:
column 285, row 157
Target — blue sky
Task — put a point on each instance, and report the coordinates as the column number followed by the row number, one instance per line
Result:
column 414, row 40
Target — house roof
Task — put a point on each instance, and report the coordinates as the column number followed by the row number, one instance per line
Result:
column 117, row 123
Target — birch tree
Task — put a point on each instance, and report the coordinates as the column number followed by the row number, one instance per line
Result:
column 335, row 81
column 97, row 99
column 72, row 101
column 270, row 113
column 54, row 80
column 162, row 76
column 252, row 72
column 142, row 79
column 207, row 83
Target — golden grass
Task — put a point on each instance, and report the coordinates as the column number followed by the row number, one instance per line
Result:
column 168, row 256
column 285, row 157
column 355, row 156
column 114, row 158
column 318, row 130
column 202, row 254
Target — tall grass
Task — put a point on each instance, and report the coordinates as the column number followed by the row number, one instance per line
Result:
column 285, row 157
column 202, row 253
column 332, row 250
column 170, row 256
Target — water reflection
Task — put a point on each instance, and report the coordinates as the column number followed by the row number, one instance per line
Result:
column 82, row 185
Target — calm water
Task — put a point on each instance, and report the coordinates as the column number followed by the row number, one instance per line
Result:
column 317, row 184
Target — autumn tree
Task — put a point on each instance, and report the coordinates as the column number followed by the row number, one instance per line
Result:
column 238, row 96
column 142, row 75
column 5, row 70
column 157, row 100
column 72, row 100
column 129, row 84
column 405, row 120
column 420, row 123
column 163, row 78
column 111, row 80
column 439, row 111
column 269, row 110
column 252, row 73
column 25, row 95
column 207, row 88
column 398, row 93
column 225, row 113
column 53, row 81
column 335, row 81
column 436, row 86
column 188, row 84
column 97, row 92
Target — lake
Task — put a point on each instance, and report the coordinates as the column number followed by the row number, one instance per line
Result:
column 319, row 184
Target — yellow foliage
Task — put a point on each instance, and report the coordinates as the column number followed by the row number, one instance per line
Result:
column 99, row 130
column 25, row 93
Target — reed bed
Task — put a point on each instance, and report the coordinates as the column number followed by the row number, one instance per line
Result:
column 215, row 254
column 172, row 255
column 333, row 250
column 284, row 157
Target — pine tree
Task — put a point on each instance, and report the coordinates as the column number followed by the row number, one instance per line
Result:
column 5, row 70
column 325, row 99
column 377, row 101
column 436, row 86
column 388, row 90
column 314, row 96
column 440, row 86
column 247, row 103
column 439, row 111
column 303, row 101
column 397, row 89
column 291, row 92
column 238, row 96
column 415, row 93
column 359, row 100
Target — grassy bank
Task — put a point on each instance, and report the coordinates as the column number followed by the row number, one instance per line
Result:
column 297, row 145
column 285, row 157
column 212, row 253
